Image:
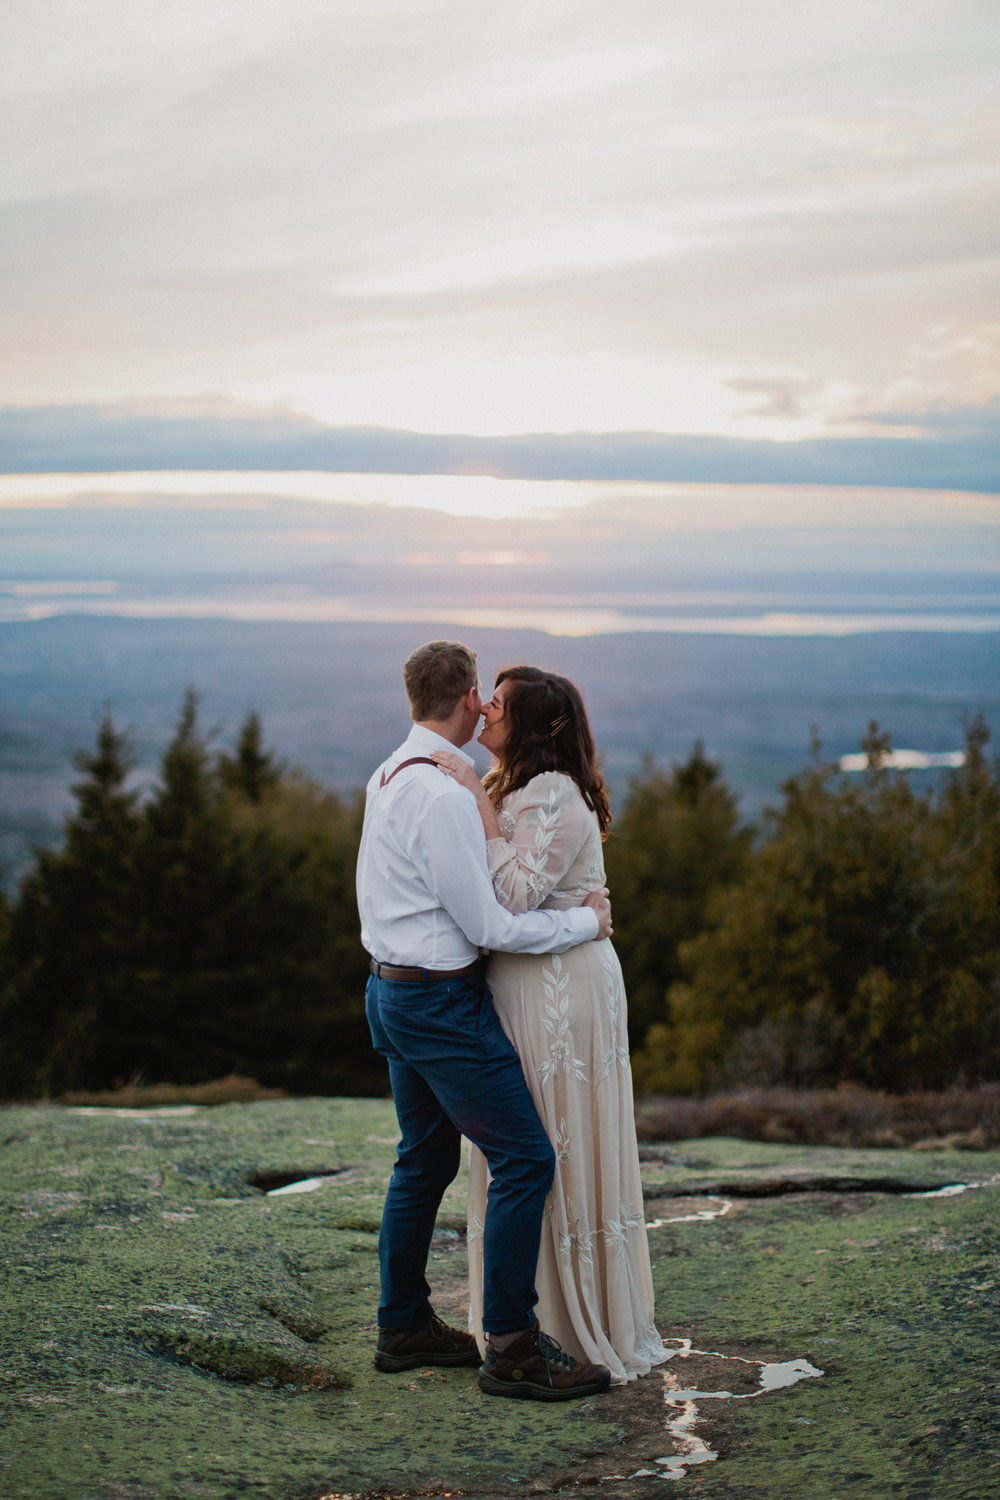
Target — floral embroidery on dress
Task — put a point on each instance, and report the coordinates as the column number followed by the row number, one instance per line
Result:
column 616, row 1231
column 616, row 1053
column 531, row 867
column 475, row 1228
column 535, row 860
column 563, row 1143
column 555, row 983
column 576, row 1240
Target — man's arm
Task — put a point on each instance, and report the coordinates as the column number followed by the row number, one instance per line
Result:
column 451, row 848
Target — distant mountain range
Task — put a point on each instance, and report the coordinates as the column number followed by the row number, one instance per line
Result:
column 739, row 615
column 331, row 697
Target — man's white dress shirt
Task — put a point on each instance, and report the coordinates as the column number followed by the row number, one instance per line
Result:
column 424, row 890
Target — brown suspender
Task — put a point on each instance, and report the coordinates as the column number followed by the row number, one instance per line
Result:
column 417, row 760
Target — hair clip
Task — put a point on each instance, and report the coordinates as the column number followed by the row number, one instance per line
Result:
column 558, row 725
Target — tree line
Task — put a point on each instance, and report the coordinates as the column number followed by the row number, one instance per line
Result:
column 211, row 928
column 853, row 939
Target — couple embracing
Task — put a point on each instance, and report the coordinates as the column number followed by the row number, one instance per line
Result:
column 524, row 1052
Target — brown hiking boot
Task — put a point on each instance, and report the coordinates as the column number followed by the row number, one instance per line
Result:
column 534, row 1368
column 433, row 1344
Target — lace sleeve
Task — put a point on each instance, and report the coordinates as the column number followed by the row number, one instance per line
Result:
column 541, row 840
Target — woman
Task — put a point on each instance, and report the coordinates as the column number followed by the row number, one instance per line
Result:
column 545, row 811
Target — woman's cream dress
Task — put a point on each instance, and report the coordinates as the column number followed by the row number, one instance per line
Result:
column 565, row 1014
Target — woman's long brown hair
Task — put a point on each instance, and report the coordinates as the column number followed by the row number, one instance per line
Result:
column 547, row 730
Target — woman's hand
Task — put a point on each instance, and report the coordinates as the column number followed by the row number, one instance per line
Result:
column 459, row 770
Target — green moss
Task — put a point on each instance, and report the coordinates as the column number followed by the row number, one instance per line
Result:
column 175, row 1330
column 171, row 1332
column 894, row 1298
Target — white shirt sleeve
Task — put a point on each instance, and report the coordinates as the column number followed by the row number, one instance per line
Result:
column 449, row 848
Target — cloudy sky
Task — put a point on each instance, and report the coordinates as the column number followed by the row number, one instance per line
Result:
column 741, row 219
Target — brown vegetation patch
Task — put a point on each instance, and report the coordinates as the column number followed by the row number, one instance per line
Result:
column 233, row 1089
column 958, row 1119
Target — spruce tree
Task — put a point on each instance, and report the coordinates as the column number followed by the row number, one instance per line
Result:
column 189, row 878
column 252, row 772
column 676, row 842
column 72, row 934
column 863, row 945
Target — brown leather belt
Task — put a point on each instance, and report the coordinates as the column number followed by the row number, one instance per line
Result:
column 421, row 976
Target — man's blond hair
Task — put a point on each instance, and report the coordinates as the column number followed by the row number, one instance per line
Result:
column 437, row 675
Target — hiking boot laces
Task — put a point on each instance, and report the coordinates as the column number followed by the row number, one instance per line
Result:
column 441, row 1331
column 553, row 1354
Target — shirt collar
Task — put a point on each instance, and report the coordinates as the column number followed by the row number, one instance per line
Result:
column 424, row 739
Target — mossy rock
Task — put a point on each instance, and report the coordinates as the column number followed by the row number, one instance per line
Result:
column 174, row 1332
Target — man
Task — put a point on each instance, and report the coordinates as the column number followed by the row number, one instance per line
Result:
column 427, row 910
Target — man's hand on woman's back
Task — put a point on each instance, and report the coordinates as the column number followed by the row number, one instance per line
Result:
column 600, row 903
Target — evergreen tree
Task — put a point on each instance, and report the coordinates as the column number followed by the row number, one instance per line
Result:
column 72, row 932
column 862, row 946
column 184, row 888
column 676, row 842
column 299, row 1022
column 960, row 1022
column 213, row 931
column 252, row 772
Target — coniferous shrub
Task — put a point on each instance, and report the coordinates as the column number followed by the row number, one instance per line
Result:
column 72, row 943
column 212, row 930
column 676, row 841
column 863, row 945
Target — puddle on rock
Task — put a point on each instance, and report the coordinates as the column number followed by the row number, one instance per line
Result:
column 681, row 1402
column 152, row 1112
column 297, row 1185
column 275, row 1182
column 722, row 1207
column 954, row 1188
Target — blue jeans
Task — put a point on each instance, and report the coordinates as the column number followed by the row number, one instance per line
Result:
column 454, row 1073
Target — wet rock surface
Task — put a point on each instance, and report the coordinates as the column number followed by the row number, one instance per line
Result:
column 174, row 1330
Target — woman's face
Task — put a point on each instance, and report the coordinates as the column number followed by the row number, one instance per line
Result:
column 493, row 735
